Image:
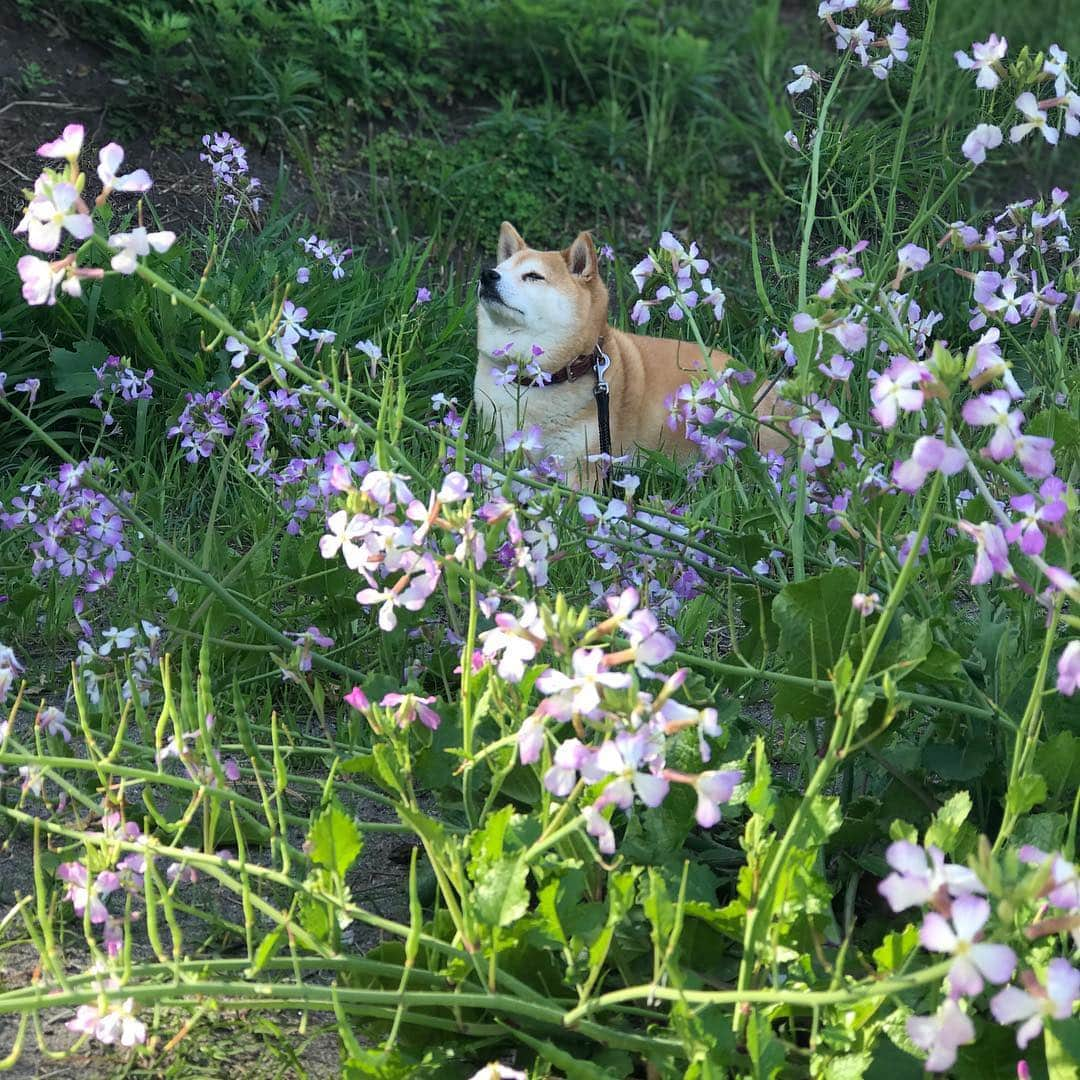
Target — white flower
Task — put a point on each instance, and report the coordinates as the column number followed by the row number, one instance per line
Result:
column 1036, row 120
column 110, row 158
column 135, row 244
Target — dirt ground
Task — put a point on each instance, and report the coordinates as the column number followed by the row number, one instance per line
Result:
column 79, row 90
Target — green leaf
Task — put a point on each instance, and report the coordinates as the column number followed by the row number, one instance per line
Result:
column 1024, row 793
column 944, row 830
column 73, row 370
column 334, row 840
column 1062, row 1040
column 1058, row 760
column 766, row 1051
column 500, row 896
column 813, row 616
column 893, row 952
column 958, row 763
column 1045, row 831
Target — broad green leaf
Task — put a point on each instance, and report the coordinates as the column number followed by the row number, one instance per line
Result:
column 1062, row 1041
column 945, row 827
column 500, row 896
column 813, row 616
column 73, row 369
column 1026, row 792
column 958, row 763
column 334, row 840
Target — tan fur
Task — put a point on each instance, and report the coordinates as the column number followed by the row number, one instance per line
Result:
column 566, row 314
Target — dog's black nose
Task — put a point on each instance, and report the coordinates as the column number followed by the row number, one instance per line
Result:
column 489, row 277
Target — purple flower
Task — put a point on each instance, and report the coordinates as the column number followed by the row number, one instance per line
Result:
column 423, row 295
column 927, row 456
column 992, row 551
column 913, row 257
column 409, row 707
column 897, row 388
column 995, row 410
column 1037, row 1003
column 1052, row 510
column 921, row 875
column 714, row 788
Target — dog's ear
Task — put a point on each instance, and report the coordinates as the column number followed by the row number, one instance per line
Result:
column 581, row 257
column 510, row 241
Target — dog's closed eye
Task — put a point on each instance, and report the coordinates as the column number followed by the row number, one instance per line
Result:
column 532, row 275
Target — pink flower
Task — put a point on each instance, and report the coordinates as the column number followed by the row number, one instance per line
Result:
column 419, row 584
column 866, row 603
column 982, row 138
column 54, row 209
column 69, row 145
column 515, row 641
column 1068, row 668
column 598, row 826
column 975, row 960
column 986, row 59
column 941, row 1034
column 357, row 699
column 39, row 279
column 992, row 551
column 115, row 1023
column 897, row 388
column 921, row 875
column 1034, row 1005
column 409, row 707
column 927, row 456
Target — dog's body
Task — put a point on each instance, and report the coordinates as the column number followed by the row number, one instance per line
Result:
column 556, row 301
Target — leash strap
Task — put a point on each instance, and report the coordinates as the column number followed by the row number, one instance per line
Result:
column 602, row 396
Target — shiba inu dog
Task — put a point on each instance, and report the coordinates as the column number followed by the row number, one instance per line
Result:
column 548, row 311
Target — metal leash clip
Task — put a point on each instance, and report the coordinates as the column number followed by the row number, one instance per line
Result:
column 602, row 364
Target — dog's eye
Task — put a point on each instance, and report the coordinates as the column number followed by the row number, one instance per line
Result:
column 532, row 275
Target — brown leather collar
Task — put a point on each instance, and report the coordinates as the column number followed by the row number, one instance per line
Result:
column 580, row 365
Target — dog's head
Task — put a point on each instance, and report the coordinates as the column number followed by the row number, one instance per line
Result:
column 552, row 299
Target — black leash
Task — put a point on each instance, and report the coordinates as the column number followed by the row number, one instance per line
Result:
column 602, row 396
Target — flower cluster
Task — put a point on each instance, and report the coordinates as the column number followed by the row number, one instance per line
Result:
column 957, row 926
column 684, row 285
column 875, row 44
column 78, row 534
column 1049, row 116
column 56, row 209
column 323, row 251
column 118, row 380
column 228, row 163
column 621, row 733
column 1023, row 241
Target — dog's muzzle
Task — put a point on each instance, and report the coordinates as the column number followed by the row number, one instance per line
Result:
column 488, row 286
